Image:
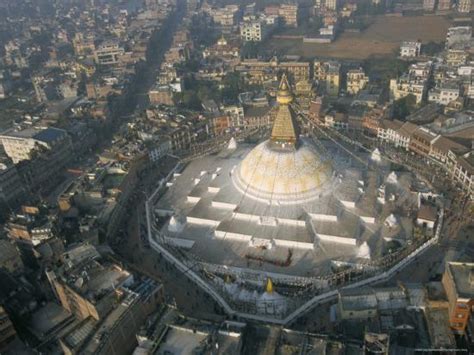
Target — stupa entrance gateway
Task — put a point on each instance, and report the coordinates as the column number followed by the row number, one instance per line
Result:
column 293, row 210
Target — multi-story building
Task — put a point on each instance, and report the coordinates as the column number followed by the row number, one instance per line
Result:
column 297, row 71
column 87, row 287
column 10, row 258
column 356, row 81
column 461, row 170
column 458, row 282
column 159, row 150
column 225, row 16
column 261, row 72
column 38, row 83
column 108, row 53
column 331, row 5
column 254, row 29
column 289, row 14
column 83, row 44
column 108, row 303
column 406, row 85
column 441, row 146
column 26, row 144
column 444, row 5
column 389, row 131
column 12, row 187
column 446, row 93
column 410, row 49
column 456, row 57
column 421, row 141
column 328, row 76
column 29, row 229
column 465, row 6
column 429, row 5
column 333, row 79
column 7, row 331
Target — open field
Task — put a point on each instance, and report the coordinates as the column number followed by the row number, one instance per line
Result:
column 383, row 37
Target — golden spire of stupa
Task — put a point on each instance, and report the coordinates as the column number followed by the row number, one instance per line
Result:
column 284, row 135
column 284, row 96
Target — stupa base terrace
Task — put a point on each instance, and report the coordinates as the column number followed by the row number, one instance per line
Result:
column 231, row 229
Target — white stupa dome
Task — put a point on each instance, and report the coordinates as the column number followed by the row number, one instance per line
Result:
column 285, row 176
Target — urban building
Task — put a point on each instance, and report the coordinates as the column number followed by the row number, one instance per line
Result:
column 461, row 170
column 225, row 16
column 10, row 258
column 465, row 6
column 356, row 81
column 262, row 72
column 109, row 305
column 445, row 5
column 254, row 29
column 446, row 93
column 289, row 14
column 429, row 5
column 109, row 53
column 161, row 95
column 458, row 282
column 410, row 49
column 328, row 76
column 85, row 286
column 24, row 144
column 405, row 85
column 7, row 331
column 12, row 187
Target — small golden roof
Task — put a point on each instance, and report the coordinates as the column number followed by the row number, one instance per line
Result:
column 269, row 286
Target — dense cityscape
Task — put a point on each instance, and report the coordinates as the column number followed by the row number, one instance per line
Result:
column 235, row 177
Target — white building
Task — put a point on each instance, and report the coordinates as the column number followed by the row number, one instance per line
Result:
column 446, row 93
column 22, row 145
column 410, row 49
column 461, row 169
column 356, row 81
column 414, row 82
column 225, row 16
column 331, row 5
column 253, row 30
column 465, row 6
column 404, row 86
column 389, row 131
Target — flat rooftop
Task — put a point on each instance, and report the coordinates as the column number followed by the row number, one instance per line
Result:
column 463, row 275
column 182, row 341
column 93, row 280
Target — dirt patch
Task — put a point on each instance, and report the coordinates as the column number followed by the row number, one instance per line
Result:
column 381, row 38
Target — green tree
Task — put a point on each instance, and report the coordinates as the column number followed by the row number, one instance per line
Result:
column 404, row 107
column 432, row 48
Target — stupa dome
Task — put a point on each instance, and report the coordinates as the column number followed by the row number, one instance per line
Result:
column 282, row 176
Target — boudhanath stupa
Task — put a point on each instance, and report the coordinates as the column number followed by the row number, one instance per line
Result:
column 291, row 208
